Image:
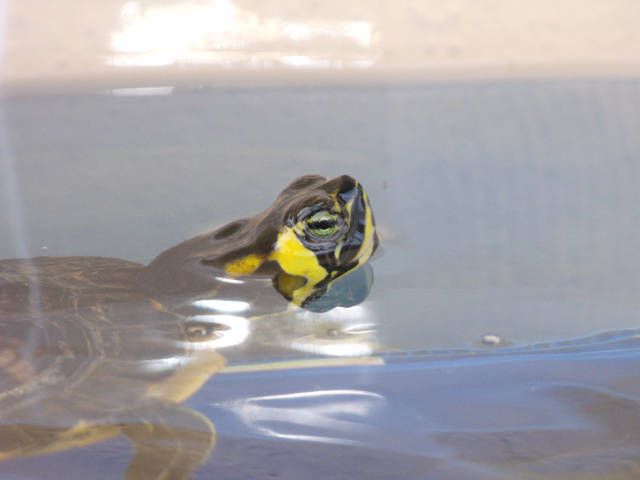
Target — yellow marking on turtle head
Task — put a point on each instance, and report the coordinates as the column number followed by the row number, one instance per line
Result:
column 296, row 259
column 287, row 284
column 245, row 265
column 368, row 242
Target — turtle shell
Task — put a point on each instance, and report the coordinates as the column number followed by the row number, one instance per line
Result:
column 81, row 333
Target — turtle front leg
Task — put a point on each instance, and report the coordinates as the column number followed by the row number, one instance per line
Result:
column 171, row 441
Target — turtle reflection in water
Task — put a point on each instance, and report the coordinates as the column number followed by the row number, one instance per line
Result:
column 93, row 347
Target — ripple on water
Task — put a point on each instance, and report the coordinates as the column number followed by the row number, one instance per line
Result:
column 561, row 410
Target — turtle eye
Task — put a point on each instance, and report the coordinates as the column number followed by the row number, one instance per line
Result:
column 323, row 224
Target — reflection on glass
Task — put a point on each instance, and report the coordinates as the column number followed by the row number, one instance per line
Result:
column 219, row 32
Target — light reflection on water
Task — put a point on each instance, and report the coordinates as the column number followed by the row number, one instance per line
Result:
column 227, row 306
column 286, row 415
column 551, row 411
column 555, row 411
column 116, row 360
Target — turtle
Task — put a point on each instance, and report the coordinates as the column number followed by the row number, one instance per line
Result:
column 94, row 347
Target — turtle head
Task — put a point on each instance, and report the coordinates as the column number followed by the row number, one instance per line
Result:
column 316, row 231
column 327, row 230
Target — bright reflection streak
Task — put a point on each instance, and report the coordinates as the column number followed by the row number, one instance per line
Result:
column 141, row 91
column 346, row 315
column 355, row 334
column 227, row 306
column 9, row 181
column 218, row 32
column 303, row 415
column 235, row 281
column 236, row 334
column 160, row 365
column 318, row 394
column 334, row 348
column 303, row 61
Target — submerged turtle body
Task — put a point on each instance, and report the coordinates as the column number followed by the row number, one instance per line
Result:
column 91, row 347
column 86, row 354
column 89, row 328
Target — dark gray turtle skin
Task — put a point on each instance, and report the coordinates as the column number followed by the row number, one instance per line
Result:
column 94, row 347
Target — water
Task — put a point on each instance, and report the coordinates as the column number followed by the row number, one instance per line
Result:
column 558, row 411
column 555, row 411
column 507, row 208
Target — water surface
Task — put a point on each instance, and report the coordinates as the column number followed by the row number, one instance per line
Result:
column 504, row 207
